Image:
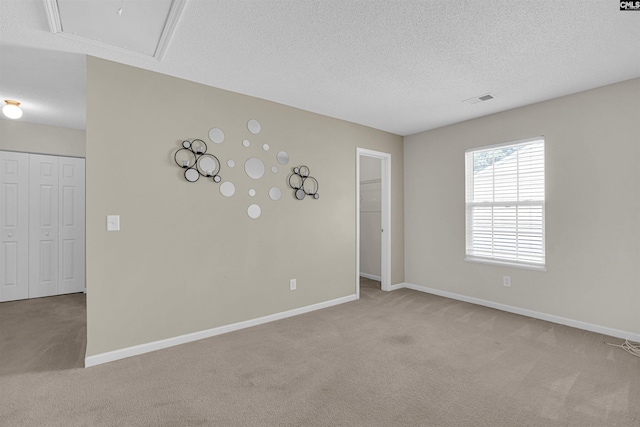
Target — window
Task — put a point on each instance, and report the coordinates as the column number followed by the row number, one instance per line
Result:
column 505, row 203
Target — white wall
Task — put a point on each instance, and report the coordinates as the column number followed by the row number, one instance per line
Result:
column 592, row 208
column 370, row 217
column 41, row 139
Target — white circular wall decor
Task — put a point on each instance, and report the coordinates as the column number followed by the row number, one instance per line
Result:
column 275, row 193
column 283, row 157
column 216, row 135
column 274, row 169
column 254, row 126
column 265, row 147
column 246, row 143
column 254, row 211
column 254, row 168
column 191, row 175
column 231, row 163
column 227, row 189
column 252, row 192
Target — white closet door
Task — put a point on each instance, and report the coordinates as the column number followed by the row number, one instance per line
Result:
column 14, row 226
column 43, row 225
column 71, row 249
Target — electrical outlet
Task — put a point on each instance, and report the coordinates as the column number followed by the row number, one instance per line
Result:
column 292, row 284
column 506, row 281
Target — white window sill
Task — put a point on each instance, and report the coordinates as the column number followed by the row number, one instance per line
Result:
column 505, row 263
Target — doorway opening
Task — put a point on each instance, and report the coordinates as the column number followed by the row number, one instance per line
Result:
column 373, row 217
column 42, row 254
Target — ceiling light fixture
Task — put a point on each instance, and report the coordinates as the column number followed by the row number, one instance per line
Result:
column 12, row 109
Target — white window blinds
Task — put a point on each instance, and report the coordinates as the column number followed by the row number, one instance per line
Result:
column 505, row 203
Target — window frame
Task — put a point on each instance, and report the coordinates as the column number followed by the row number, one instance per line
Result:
column 469, row 182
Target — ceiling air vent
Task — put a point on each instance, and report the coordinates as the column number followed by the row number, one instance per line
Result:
column 477, row 99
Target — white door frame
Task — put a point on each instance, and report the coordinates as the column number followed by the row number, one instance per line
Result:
column 385, row 161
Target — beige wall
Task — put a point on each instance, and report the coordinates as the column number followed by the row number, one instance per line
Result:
column 41, row 139
column 592, row 208
column 188, row 259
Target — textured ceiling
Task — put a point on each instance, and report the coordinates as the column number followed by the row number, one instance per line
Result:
column 400, row 66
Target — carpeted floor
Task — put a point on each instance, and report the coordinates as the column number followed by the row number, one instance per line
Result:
column 400, row 358
column 42, row 334
column 369, row 283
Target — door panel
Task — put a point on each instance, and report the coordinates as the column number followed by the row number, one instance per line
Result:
column 72, row 221
column 43, row 224
column 10, row 264
column 47, row 218
column 10, row 205
column 14, row 226
column 68, row 200
column 47, row 255
column 67, row 255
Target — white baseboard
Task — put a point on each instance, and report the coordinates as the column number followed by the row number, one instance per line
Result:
column 371, row 276
column 123, row 353
column 398, row 286
column 632, row 336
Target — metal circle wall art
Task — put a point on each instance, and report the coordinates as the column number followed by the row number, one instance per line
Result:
column 194, row 159
column 303, row 183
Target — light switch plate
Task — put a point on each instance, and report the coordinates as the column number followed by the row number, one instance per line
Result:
column 113, row 222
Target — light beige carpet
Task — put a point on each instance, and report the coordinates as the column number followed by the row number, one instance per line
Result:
column 400, row 358
column 42, row 334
